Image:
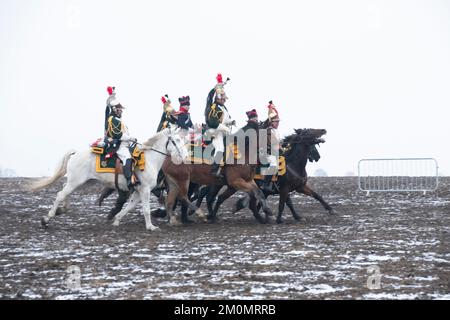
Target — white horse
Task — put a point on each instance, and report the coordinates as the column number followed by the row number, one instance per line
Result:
column 80, row 168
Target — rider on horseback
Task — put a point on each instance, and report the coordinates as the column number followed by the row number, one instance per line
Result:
column 218, row 121
column 184, row 121
column 273, row 146
column 168, row 117
column 252, row 122
column 111, row 97
column 117, row 133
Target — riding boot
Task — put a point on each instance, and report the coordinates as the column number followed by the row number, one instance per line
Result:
column 215, row 167
column 267, row 184
column 128, row 173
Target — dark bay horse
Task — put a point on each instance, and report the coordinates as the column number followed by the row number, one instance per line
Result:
column 297, row 147
column 237, row 176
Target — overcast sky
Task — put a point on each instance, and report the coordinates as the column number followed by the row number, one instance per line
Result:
column 375, row 74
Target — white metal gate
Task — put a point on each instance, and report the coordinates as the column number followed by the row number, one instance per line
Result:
column 401, row 174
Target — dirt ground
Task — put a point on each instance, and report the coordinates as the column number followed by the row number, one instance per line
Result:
column 381, row 246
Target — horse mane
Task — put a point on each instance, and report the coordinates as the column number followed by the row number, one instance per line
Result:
column 152, row 140
column 264, row 124
column 300, row 135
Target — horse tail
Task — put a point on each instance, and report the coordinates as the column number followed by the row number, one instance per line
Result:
column 60, row 171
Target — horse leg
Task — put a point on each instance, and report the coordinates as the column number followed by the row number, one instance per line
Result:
column 211, row 197
column 193, row 191
column 255, row 206
column 145, row 199
column 242, row 203
column 253, row 190
column 64, row 208
column 171, row 199
column 283, row 196
column 202, row 192
column 310, row 192
column 261, row 197
column 184, row 213
column 70, row 187
column 134, row 200
column 183, row 196
column 120, row 201
column 222, row 197
column 291, row 207
column 105, row 193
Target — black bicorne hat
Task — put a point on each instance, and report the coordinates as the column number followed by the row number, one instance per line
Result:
column 184, row 101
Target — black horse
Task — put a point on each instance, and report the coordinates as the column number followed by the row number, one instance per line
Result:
column 296, row 150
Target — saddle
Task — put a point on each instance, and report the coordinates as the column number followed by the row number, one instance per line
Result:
column 281, row 170
column 196, row 153
column 107, row 161
column 198, row 143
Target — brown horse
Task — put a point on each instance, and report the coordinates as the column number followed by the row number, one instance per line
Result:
column 297, row 147
column 238, row 175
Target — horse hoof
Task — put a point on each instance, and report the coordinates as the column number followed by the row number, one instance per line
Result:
column 60, row 211
column 153, row 228
column 44, row 222
column 116, row 223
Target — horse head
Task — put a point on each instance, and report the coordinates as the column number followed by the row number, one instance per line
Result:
column 168, row 141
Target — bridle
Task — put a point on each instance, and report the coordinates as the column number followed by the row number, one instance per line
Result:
column 169, row 140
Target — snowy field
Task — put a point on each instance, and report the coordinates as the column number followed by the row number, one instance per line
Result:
column 382, row 246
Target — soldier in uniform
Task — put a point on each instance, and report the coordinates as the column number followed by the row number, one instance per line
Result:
column 117, row 133
column 169, row 116
column 218, row 121
column 184, row 118
column 273, row 143
column 111, row 96
column 252, row 122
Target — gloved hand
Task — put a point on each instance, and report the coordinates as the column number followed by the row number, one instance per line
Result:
column 128, row 138
column 224, row 128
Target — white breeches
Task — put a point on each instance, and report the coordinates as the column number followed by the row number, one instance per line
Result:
column 123, row 152
column 273, row 166
column 218, row 142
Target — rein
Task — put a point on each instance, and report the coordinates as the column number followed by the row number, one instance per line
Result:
column 166, row 154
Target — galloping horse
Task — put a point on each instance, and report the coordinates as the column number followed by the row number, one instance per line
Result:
column 238, row 176
column 297, row 148
column 80, row 168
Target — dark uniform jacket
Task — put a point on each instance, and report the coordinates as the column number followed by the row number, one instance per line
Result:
column 184, row 120
column 213, row 114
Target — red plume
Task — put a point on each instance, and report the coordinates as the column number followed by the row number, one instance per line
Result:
column 110, row 90
column 163, row 99
column 219, row 78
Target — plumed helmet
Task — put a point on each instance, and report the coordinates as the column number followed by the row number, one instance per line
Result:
column 167, row 103
column 219, row 89
column 111, row 90
column 273, row 112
